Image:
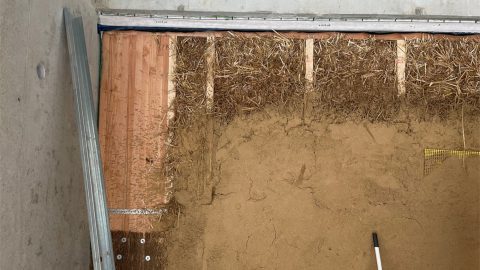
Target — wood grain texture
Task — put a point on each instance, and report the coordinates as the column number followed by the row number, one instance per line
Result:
column 309, row 63
column 206, row 196
column 133, row 124
column 326, row 35
column 400, row 65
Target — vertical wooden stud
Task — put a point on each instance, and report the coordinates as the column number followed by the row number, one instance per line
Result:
column 172, row 56
column 400, row 66
column 208, row 182
column 308, row 76
column 210, row 58
column 309, row 64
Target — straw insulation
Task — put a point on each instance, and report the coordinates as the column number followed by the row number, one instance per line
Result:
column 355, row 79
column 190, row 79
column 442, row 75
column 191, row 114
column 252, row 72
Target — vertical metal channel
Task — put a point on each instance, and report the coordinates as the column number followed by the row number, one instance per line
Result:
column 100, row 237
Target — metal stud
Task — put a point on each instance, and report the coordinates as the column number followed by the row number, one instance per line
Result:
column 119, row 257
column 124, row 239
column 147, row 258
column 142, row 241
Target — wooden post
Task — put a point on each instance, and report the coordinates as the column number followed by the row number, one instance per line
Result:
column 172, row 56
column 133, row 126
column 210, row 65
column 133, row 123
column 308, row 76
column 206, row 196
column 309, row 64
column 400, row 66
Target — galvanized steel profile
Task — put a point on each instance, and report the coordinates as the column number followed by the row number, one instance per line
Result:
column 201, row 21
column 100, row 237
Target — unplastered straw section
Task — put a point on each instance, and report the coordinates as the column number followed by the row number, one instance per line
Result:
column 253, row 72
column 249, row 73
column 192, row 105
column 350, row 76
column 190, row 80
column 355, row 79
column 443, row 75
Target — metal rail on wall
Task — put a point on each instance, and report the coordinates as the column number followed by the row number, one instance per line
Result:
column 100, row 238
column 204, row 21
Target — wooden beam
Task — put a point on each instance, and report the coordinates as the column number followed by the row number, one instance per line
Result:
column 327, row 35
column 309, row 64
column 206, row 196
column 172, row 56
column 308, row 77
column 133, row 124
column 400, row 66
column 210, row 59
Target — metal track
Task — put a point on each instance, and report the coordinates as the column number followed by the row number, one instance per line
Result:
column 138, row 211
column 101, row 242
column 201, row 21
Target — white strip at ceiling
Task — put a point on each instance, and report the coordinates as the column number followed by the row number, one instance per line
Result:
column 291, row 23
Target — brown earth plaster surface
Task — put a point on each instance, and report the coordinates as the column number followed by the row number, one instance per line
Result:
column 292, row 196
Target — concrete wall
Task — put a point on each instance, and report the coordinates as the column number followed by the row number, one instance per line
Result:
column 405, row 7
column 43, row 220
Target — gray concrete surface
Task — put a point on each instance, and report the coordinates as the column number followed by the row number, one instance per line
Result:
column 43, row 221
column 405, row 7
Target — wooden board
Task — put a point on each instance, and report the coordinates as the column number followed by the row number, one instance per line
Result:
column 325, row 35
column 133, row 124
column 400, row 64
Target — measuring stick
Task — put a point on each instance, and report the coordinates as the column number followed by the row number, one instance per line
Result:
column 377, row 251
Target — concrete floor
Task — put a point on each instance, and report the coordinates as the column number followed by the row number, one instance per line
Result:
column 43, row 221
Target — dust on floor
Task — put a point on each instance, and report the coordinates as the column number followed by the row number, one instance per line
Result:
column 292, row 196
